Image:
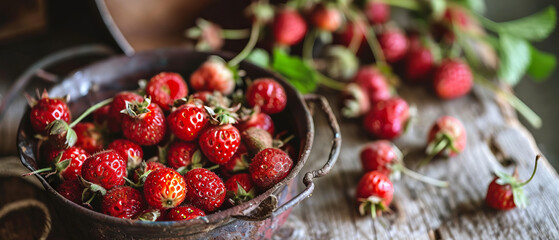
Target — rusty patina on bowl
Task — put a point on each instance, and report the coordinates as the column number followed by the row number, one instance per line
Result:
column 255, row 219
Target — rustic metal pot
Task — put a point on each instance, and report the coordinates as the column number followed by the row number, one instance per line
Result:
column 256, row 219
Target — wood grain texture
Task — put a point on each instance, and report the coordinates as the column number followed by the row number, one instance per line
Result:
column 496, row 141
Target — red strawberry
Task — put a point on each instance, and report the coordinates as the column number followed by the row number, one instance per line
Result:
column 384, row 157
column 202, row 95
column 357, row 30
column 213, row 75
column 89, row 137
column 144, row 123
column 327, row 18
column 71, row 190
column 355, row 101
column 259, row 120
column 268, row 94
column 187, row 121
column 131, row 153
column 289, row 27
column 419, row 64
column 205, row 190
column 387, row 119
column 240, row 188
column 116, row 107
column 182, row 154
column 184, row 213
column 164, row 188
column 219, row 143
column 394, row 45
column 48, row 153
column 453, row 78
column 377, row 12
column 101, row 116
column 123, row 202
column 269, row 167
column 145, row 168
column 166, row 87
column 106, row 168
column 447, row 137
column 506, row 192
column 374, row 193
column 238, row 163
column 46, row 110
column 67, row 164
column 373, row 83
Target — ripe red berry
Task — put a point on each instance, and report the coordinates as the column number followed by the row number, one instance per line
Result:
column 119, row 104
column 505, row 192
column 72, row 169
column 145, row 168
column 184, row 213
column 89, row 137
column 377, row 12
column 269, row 167
column 205, row 190
column 373, row 83
column 289, row 27
column 180, row 154
column 453, row 79
column 268, row 94
column 106, row 168
column 123, row 202
column 187, row 121
column 240, row 188
column 45, row 110
column 164, row 188
column 219, row 143
column 374, row 193
column 144, row 123
column 327, row 18
column 259, row 120
column 379, row 156
column 387, row 119
column 394, row 45
column 419, row 64
column 213, row 75
column 166, row 87
column 71, row 190
column 447, row 137
column 131, row 153
column 101, row 116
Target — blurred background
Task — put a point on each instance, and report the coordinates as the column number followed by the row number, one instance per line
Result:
column 32, row 29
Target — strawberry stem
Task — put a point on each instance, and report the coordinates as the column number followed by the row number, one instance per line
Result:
column 308, row 44
column 235, row 34
column 407, row 4
column 425, row 179
column 374, row 45
column 42, row 170
column 439, row 146
column 255, row 31
column 328, row 82
column 90, row 110
column 533, row 172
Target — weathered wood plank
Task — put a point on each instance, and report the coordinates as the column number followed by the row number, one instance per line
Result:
column 495, row 141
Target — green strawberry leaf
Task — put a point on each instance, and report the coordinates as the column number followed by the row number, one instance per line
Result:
column 535, row 27
column 297, row 72
column 259, row 57
column 542, row 64
column 515, row 58
column 520, row 199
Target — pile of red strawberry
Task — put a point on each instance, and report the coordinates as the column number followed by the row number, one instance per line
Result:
column 171, row 155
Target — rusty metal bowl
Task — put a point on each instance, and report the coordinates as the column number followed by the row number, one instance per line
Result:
column 256, row 219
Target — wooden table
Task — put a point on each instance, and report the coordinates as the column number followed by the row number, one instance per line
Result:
column 496, row 141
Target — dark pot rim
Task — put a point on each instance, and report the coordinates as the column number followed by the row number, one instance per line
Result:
column 212, row 220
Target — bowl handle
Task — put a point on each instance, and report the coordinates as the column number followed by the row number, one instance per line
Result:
column 309, row 176
column 37, row 69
